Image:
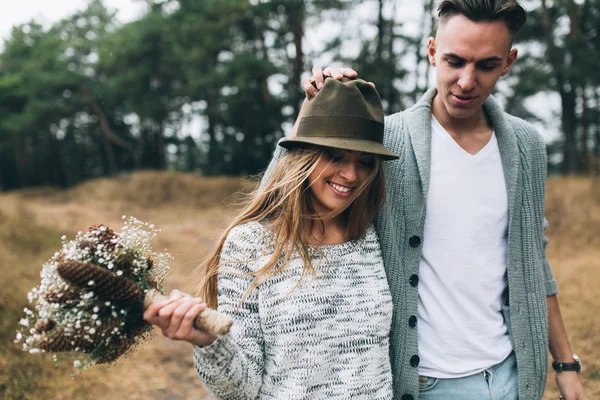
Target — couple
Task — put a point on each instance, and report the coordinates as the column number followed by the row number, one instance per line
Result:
column 430, row 282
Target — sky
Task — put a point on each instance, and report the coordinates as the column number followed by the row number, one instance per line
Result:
column 48, row 12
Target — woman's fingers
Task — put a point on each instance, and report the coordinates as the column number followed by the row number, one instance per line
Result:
column 177, row 294
column 166, row 313
column 187, row 321
column 175, row 319
column 151, row 313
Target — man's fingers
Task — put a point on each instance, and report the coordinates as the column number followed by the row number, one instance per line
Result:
column 332, row 72
column 348, row 72
column 309, row 88
column 312, row 85
column 318, row 77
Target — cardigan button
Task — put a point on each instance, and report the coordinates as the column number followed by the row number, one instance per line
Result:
column 408, row 397
column 414, row 361
column 414, row 241
column 413, row 280
column 412, row 321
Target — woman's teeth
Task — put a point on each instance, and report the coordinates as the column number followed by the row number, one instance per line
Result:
column 339, row 188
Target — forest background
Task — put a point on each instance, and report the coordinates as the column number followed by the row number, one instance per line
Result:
column 210, row 86
column 163, row 117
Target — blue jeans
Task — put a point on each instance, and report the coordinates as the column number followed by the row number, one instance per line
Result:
column 497, row 383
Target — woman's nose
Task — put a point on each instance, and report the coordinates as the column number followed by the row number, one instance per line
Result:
column 348, row 171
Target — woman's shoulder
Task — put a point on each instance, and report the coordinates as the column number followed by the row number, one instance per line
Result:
column 248, row 234
column 246, row 241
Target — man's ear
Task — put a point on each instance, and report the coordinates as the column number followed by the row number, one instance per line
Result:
column 510, row 60
column 431, row 50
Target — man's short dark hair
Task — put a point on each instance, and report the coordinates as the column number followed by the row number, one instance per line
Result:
column 508, row 11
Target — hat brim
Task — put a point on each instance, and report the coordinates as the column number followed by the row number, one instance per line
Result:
column 352, row 144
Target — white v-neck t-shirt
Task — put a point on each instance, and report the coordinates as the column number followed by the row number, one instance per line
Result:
column 462, row 273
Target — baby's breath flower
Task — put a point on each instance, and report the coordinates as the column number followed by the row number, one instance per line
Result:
column 79, row 313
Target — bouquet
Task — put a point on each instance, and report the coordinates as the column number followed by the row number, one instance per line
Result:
column 93, row 294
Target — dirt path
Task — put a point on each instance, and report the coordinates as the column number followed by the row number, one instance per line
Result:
column 164, row 370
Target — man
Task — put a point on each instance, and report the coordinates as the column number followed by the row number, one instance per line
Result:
column 475, row 302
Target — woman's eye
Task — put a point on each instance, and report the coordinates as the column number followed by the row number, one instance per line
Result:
column 334, row 157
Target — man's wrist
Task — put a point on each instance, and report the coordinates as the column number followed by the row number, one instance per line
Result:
column 568, row 366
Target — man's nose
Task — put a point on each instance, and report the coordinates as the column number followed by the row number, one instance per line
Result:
column 467, row 79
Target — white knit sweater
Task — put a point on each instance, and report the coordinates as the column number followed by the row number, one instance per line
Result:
column 326, row 339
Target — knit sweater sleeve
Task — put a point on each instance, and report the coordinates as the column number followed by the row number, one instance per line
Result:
column 550, row 282
column 231, row 367
column 536, row 147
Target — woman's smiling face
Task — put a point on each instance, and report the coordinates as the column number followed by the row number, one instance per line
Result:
column 337, row 175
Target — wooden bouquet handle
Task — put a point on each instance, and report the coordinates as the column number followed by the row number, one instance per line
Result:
column 209, row 320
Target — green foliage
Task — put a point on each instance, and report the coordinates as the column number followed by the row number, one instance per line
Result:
column 209, row 86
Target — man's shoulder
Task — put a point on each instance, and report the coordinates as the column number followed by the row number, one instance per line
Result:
column 527, row 135
column 394, row 119
column 394, row 130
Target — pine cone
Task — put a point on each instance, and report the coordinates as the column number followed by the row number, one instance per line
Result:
column 90, row 245
column 64, row 298
column 125, row 263
column 116, row 350
column 55, row 341
column 105, row 284
column 44, row 325
column 105, row 236
column 106, row 329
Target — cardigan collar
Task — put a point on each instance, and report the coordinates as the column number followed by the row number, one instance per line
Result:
column 418, row 122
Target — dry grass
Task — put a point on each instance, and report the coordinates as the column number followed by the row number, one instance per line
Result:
column 192, row 211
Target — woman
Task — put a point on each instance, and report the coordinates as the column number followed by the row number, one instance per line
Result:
column 300, row 269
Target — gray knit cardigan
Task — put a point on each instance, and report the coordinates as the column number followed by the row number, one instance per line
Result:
column 400, row 225
column 530, row 279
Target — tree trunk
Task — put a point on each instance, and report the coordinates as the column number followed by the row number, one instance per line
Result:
column 569, row 127
column 111, row 164
column 380, row 29
column 161, row 155
column 597, row 135
column 427, row 22
column 585, row 129
column 212, row 167
column 296, row 14
column 22, row 161
column 566, row 90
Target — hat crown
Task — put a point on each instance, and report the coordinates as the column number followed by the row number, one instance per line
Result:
column 347, row 98
column 346, row 115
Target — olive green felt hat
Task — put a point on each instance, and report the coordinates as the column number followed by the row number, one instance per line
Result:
column 345, row 115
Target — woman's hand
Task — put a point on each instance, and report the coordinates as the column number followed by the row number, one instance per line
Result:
column 175, row 317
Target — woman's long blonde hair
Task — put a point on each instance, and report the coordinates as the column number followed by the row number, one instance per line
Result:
column 284, row 203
